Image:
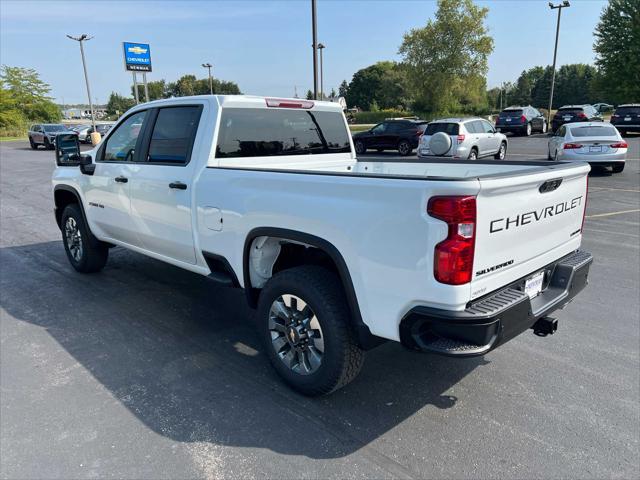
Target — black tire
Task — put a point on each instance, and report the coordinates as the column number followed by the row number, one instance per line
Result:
column 92, row 254
column 473, row 154
column 360, row 147
column 340, row 359
column 404, row 148
column 527, row 130
column 617, row 168
column 502, row 152
column 544, row 127
column 47, row 144
column 32, row 144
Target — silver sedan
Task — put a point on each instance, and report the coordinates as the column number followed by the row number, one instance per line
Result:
column 594, row 142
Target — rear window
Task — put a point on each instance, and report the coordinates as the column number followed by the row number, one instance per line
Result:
column 628, row 111
column 594, row 131
column 511, row 113
column 263, row 132
column 570, row 110
column 448, row 128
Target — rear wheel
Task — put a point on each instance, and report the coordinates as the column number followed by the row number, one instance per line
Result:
column 544, row 127
column 304, row 320
column 527, row 130
column 85, row 253
column 359, row 146
column 404, row 148
column 502, row 152
column 617, row 168
column 473, row 154
column 33, row 144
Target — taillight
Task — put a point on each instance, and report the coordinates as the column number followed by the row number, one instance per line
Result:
column 286, row 103
column 571, row 146
column 584, row 212
column 460, row 138
column 582, row 115
column 615, row 115
column 619, row 145
column 523, row 119
column 453, row 257
column 419, row 133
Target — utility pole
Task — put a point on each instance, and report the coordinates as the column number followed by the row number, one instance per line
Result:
column 314, row 34
column 321, row 48
column 559, row 7
column 208, row 66
column 82, row 38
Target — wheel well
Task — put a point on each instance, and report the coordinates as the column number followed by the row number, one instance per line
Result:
column 63, row 198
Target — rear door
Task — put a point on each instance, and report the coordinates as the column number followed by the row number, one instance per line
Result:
column 526, row 221
column 161, row 186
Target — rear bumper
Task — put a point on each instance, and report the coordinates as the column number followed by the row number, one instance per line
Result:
column 497, row 317
column 511, row 128
column 627, row 127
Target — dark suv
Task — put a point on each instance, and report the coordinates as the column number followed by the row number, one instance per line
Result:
column 626, row 118
column 574, row 113
column 393, row 134
column 521, row 120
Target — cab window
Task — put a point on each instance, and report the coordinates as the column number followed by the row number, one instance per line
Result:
column 173, row 135
column 120, row 146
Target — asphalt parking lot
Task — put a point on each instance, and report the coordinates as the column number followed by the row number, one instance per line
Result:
column 148, row 371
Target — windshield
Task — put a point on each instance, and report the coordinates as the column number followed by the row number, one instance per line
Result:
column 54, row 128
column 511, row 113
column 448, row 128
column 594, row 131
column 257, row 132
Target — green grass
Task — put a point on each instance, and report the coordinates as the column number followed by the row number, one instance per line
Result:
column 360, row 128
column 11, row 139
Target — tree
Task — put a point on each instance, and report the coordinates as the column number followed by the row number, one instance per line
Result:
column 190, row 85
column 383, row 83
column 26, row 95
column 333, row 93
column 522, row 93
column 573, row 84
column 309, row 95
column 446, row 61
column 118, row 104
column 343, row 90
column 617, row 49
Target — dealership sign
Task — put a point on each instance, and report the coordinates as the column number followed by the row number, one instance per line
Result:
column 137, row 57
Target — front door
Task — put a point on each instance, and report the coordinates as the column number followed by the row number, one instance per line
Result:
column 107, row 192
column 489, row 141
column 162, row 185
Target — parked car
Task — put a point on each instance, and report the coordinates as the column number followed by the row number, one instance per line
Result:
column 101, row 128
column 82, row 132
column 395, row 134
column 521, row 120
column 337, row 255
column 575, row 113
column 626, row 118
column 594, row 142
column 468, row 138
column 602, row 107
column 45, row 134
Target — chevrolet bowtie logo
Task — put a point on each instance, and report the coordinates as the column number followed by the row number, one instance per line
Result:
column 137, row 50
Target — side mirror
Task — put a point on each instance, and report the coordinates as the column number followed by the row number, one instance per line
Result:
column 67, row 150
column 87, row 166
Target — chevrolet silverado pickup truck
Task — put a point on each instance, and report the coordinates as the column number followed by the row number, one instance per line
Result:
column 336, row 255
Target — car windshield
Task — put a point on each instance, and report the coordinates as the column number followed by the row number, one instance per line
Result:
column 594, row 131
column 628, row 111
column 54, row 128
column 448, row 128
column 511, row 113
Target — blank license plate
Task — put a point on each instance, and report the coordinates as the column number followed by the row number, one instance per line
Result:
column 533, row 285
column 508, row 119
column 595, row 149
column 567, row 118
column 627, row 119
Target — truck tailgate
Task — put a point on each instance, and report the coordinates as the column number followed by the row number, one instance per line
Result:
column 525, row 222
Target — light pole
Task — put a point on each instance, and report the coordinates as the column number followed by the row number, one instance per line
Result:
column 208, row 66
column 321, row 48
column 82, row 38
column 559, row 7
column 314, row 45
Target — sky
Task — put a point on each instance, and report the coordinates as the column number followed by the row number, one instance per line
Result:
column 264, row 46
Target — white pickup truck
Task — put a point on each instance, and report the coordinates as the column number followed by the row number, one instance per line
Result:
column 338, row 255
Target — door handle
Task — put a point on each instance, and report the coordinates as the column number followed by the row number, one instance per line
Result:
column 178, row 185
column 121, row 179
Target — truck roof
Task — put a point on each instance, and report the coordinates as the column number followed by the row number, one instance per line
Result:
column 249, row 101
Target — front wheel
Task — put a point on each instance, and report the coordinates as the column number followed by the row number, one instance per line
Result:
column 85, row 253
column 527, row 131
column 502, row 152
column 360, row 148
column 544, row 127
column 304, row 318
column 404, row 148
column 47, row 144
column 32, row 144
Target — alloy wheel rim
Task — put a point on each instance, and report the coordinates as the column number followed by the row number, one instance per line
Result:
column 502, row 152
column 74, row 238
column 296, row 335
column 403, row 148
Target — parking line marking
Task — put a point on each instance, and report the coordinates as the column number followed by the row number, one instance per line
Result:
column 612, row 213
column 597, row 189
column 615, row 233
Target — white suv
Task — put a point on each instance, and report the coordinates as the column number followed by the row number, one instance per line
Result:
column 465, row 138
